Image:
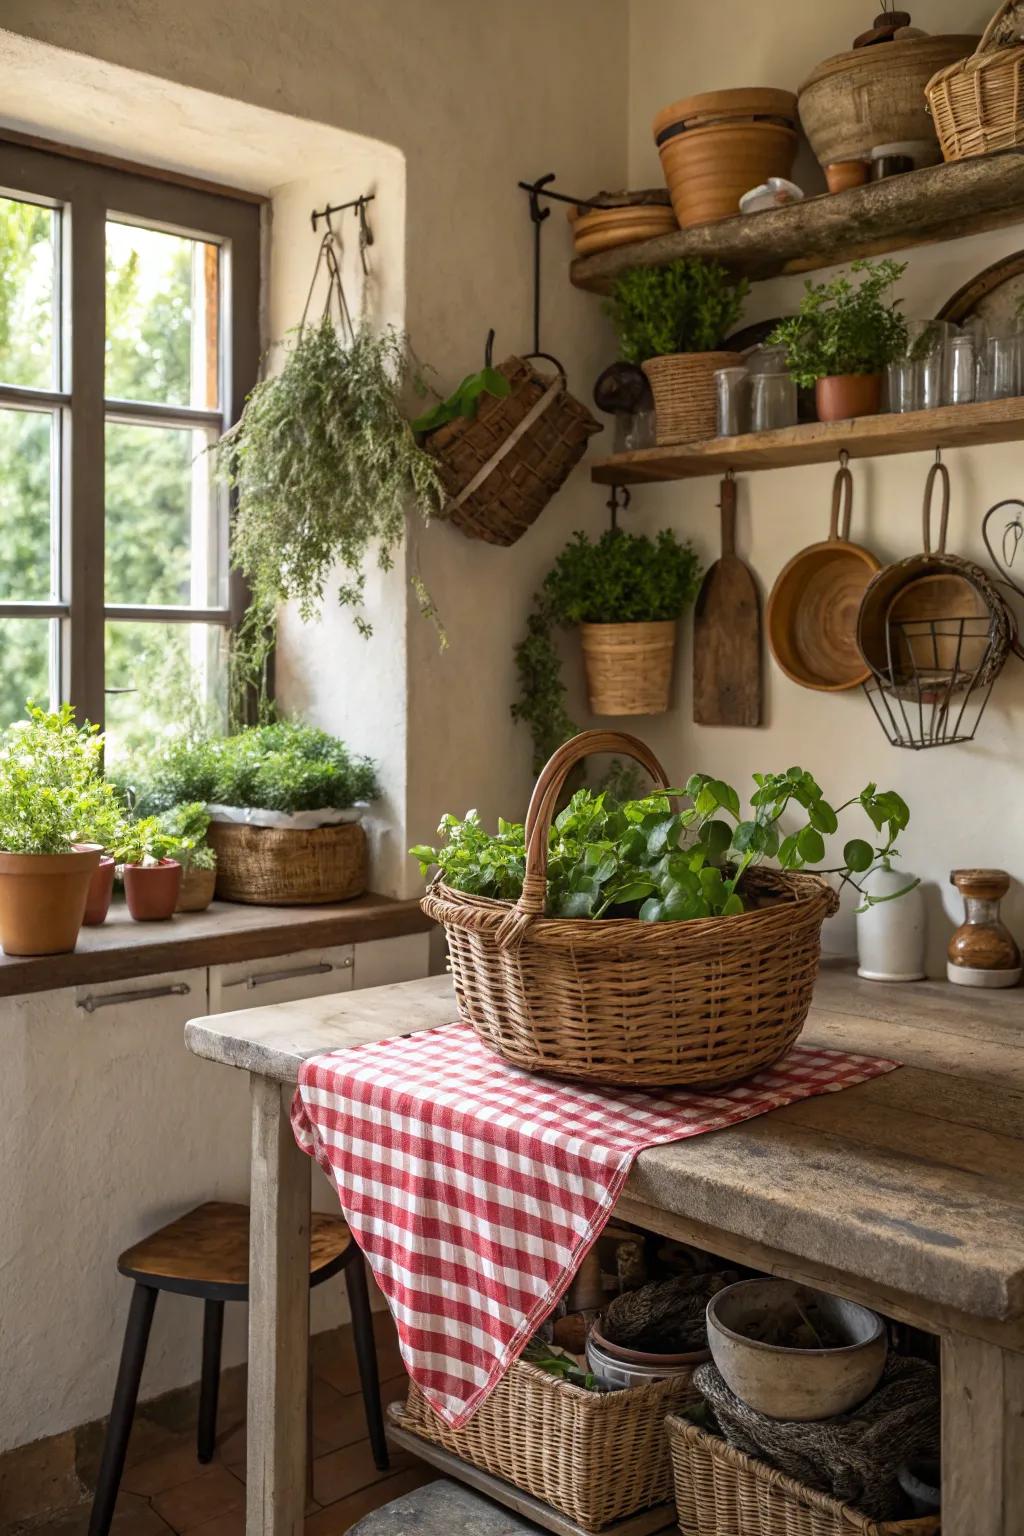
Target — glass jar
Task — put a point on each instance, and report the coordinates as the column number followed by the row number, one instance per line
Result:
column 1001, row 376
column 960, row 370
column 773, row 402
column 982, row 951
column 732, row 397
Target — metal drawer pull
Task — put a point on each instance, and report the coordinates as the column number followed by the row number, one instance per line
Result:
column 175, row 989
column 323, row 968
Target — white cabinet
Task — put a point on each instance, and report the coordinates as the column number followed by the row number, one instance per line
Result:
column 281, row 978
column 383, row 961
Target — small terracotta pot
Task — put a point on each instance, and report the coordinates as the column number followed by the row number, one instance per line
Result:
column 196, row 890
column 848, row 395
column 42, row 899
column 846, row 173
column 101, row 888
column 151, row 890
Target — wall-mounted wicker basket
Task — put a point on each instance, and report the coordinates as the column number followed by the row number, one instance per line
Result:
column 978, row 103
column 502, row 467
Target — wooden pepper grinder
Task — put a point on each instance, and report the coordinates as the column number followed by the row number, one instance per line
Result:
column 982, row 952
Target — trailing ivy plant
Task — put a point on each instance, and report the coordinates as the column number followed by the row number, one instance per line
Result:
column 623, row 578
column 688, row 306
column 324, row 463
column 845, row 327
column 644, row 859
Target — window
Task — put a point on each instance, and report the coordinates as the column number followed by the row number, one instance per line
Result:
column 128, row 341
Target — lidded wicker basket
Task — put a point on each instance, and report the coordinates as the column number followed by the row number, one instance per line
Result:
column 501, row 468
column 704, row 1002
column 978, row 103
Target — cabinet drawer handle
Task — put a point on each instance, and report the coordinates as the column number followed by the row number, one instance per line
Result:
column 90, row 1003
column 265, row 978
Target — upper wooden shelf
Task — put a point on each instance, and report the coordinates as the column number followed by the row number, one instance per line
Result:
column 939, row 203
column 955, row 426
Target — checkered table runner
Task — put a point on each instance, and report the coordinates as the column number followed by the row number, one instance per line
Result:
column 476, row 1189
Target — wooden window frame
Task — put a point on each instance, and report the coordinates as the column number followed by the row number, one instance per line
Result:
column 86, row 194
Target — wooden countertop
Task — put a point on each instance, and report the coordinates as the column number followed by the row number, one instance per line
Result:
column 913, row 1181
column 225, row 932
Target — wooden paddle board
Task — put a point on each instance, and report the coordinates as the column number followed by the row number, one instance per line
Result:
column 727, row 634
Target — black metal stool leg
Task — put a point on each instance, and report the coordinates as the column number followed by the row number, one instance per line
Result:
column 209, row 1387
column 129, row 1374
column 366, row 1358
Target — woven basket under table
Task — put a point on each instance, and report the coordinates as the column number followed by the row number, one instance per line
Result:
column 501, row 468
column 720, row 1491
column 977, row 104
column 704, row 1002
column 287, row 867
column 596, row 1457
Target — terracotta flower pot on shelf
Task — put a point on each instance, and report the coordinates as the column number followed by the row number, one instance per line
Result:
column 842, row 174
column 683, row 386
column 151, row 890
column 42, row 900
column 196, row 892
column 716, row 146
column 101, row 889
column 848, row 395
column 629, row 667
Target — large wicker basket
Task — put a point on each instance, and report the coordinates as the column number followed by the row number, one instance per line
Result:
column 502, row 467
column 705, row 1002
column 683, row 386
column 629, row 667
column 978, row 102
column 286, row 867
column 596, row 1457
column 720, row 1491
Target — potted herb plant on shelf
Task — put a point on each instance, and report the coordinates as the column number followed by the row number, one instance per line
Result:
column 626, row 593
column 285, row 802
column 843, row 338
column 57, row 812
column 191, row 824
column 150, row 869
column 672, row 320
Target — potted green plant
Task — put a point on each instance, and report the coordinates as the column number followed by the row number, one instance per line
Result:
column 285, row 802
column 844, row 336
column 191, row 824
column 672, row 320
column 626, row 593
column 57, row 812
column 150, row 869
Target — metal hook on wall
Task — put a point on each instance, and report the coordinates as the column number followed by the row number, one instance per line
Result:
column 359, row 204
column 614, row 505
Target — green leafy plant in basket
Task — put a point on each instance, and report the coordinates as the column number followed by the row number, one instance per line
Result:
column 645, row 859
column 464, row 401
column 688, row 306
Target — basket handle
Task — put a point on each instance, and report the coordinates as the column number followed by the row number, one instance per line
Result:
column 937, row 470
column 553, row 775
column 989, row 32
column 842, row 492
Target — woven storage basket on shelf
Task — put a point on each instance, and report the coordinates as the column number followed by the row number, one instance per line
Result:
column 502, row 468
column 978, row 103
column 683, row 386
column 284, row 867
column 704, row 1002
column 629, row 667
column 720, row 1491
column 597, row 1457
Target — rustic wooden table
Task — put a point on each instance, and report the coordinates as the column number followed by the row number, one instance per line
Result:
column 906, row 1193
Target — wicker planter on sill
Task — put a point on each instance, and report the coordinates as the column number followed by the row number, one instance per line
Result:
column 629, row 667
column 683, row 386
column 288, row 867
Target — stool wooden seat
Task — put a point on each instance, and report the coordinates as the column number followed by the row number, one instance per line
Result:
column 205, row 1253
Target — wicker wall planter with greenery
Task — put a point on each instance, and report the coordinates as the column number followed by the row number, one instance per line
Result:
column 641, row 943
column 672, row 321
column 596, row 1457
column 504, row 451
column 720, row 1491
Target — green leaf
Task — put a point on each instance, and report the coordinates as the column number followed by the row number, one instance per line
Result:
column 576, row 904
column 733, row 905
column 858, row 855
column 824, row 818
column 811, row 845
column 652, row 911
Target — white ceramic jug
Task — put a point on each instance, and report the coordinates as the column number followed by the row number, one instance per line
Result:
column 891, row 935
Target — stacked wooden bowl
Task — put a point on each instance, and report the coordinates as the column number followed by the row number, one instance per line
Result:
column 625, row 218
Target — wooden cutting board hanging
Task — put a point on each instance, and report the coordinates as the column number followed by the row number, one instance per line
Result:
column 727, row 634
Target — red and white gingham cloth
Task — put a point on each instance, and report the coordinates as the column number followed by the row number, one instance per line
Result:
column 476, row 1189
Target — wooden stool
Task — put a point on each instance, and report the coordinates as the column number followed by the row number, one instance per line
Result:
column 206, row 1254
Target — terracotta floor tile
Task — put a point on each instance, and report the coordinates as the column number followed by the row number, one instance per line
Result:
column 168, row 1469
column 344, row 1472
column 231, row 1524
column 132, row 1517
column 341, row 1420
column 338, row 1518
column 216, row 1491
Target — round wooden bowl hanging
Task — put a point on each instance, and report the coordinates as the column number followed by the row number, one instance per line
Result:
column 813, row 607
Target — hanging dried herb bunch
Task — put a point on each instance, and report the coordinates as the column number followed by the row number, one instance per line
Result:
column 325, row 465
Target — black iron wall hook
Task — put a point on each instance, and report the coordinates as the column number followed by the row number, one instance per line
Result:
column 536, row 190
column 359, row 204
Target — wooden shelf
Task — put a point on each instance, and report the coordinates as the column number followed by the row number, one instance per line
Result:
column 941, row 202
column 955, row 426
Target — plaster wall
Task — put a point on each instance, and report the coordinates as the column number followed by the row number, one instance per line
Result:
column 965, row 801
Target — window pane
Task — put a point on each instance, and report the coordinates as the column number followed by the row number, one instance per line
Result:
column 24, row 666
column 158, row 677
column 27, row 247
column 162, row 317
column 163, row 517
column 26, row 439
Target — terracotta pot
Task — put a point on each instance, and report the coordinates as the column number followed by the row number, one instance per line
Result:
column 196, row 890
column 716, row 146
column 846, row 173
column 848, row 395
column 42, row 900
column 101, row 888
column 151, row 890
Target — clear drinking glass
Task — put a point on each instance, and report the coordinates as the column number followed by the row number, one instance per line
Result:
column 1004, row 366
column 960, row 370
column 732, row 395
column 772, row 401
column 904, row 387
column 927, row 341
